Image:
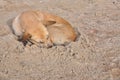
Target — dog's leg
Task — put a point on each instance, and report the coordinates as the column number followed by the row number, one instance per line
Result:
column 48, row 23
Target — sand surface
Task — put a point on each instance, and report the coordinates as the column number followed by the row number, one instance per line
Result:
column 94, row 56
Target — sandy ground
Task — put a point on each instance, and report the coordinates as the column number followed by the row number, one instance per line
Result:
column 94, row 56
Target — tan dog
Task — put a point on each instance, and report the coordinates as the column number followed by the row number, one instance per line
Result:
column 42, row 27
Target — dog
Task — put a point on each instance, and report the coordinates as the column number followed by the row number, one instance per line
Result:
column 44, row 28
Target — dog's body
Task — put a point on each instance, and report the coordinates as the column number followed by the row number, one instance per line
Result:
column 43, row 27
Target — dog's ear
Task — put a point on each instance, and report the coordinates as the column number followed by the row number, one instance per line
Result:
column 25, row 38
column 48, row 23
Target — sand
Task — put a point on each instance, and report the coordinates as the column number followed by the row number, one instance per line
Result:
column 94, row 56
